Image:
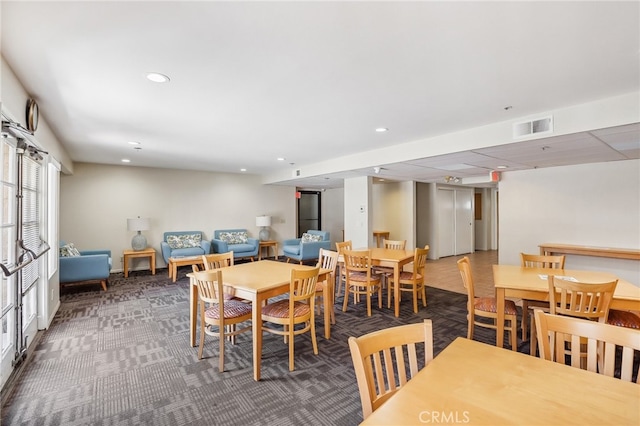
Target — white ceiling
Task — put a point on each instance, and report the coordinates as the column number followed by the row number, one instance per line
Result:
column 310, row 81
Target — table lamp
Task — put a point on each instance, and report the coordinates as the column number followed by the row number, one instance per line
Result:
column 264, row 222
column 138, row 242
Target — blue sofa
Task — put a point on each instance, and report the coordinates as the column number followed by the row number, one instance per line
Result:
column 301, row 250
column 91, row 265
column 235, row 240
column 178, row 244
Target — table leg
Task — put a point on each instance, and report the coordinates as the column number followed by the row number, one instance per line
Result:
column 193, row 312
column 500, row 318
column 174, row 272
column 396, row 289
column 153, row 264
column 126, row 266
column 326, row 298
column 169, row 268
column 256, row 330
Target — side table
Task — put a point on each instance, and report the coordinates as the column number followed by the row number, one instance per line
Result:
column 266, row 244
column 130, row 254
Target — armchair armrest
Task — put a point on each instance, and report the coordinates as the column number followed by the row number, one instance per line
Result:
column 90, row 252
column 84, row 268
column 291, row 242
column 219, row 246
column 312, row 249
column 166, row 250
column 206, row 246
column 253, row 241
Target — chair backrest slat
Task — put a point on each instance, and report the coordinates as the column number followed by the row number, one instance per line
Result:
column 541, row 261
column 394, row 244
column 602, row 342
column 577, row 299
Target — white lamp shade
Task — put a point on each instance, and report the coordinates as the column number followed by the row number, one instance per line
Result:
column 263, row 221
column 138, row 224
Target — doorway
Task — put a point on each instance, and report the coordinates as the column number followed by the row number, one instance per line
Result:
column 309, row 206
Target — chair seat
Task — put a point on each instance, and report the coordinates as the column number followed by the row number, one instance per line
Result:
column 623, row 319
column 489, row 304
column 362, row 277
column 408, row 276
column 280, row 309
column 232, row 309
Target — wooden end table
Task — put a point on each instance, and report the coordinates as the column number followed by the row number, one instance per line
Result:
column 266, row 244
column 130, row 254
column 174, row 262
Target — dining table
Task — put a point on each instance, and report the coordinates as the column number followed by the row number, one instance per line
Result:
column 257, row 282
column 391, row 258
column 532, row 284
column 474, row 383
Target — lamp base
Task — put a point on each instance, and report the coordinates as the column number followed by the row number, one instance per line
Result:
column 138, row 242
column 264, row 234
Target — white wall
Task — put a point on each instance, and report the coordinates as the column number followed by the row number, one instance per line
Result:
column 97, row 200
column 393, row 205
column 333, row 214
column 590, row 204
column 358, row 211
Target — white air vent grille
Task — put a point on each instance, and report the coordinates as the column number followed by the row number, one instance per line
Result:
column 533, row 127
column 296, row 173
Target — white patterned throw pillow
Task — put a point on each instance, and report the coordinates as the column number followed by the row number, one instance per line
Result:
column 184, row 241
column 311, row 238
column 239, row 237
column 68, row 250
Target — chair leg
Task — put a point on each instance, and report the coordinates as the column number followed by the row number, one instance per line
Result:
column 379, row 297
column 103, row 283
column 368, row 303
column 514, row 333
column 470, row 327
column 415, row 299
column 291, row 346
column 221, row 339
column 314, row 341
column 346, row 298
column 424, row 296
column 201, row 348
column 389, row 295
column 533, row 341
column 525, row 319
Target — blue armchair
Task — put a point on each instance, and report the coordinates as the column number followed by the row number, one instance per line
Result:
column 182, row 244
column 91, row 265
column 302, row 249
column 235, row 240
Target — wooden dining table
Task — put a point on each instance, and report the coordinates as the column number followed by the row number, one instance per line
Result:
column 257, row 282
column 532, row 284
column 478, row 384
column 391, row 258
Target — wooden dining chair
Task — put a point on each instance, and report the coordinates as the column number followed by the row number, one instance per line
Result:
column 485, row 307
column 340, row 247
column 360, row 279
column 412, row 281
column 328, row 259
column 386, row 271
column 380, row 358
column 577, row 299
column 217, row 260
column 298, row 308
column 536, row 261
column 602, row 344
column 218, row 316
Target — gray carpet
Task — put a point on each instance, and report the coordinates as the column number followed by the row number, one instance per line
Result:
column 122, row 357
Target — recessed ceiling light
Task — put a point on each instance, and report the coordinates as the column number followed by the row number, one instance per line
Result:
column 502, row 167
column 281, row 158
column 243, row 170
column 381, row 129
column 125, row 160
column 156, row 77
column 133, row 143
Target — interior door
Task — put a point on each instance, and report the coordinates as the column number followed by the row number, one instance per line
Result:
column 308, row 211
column 464, row 221
column 446, row 222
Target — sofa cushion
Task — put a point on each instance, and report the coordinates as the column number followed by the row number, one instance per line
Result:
column 235, row 237
column 241, row 248
column 189, row 251
column 310, row 238
column 68, row 250
column 184, row 241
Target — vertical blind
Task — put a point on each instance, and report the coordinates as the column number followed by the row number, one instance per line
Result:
column 30, row 218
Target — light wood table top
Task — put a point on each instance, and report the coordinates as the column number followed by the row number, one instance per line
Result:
column 478, row 384
column 527, row 283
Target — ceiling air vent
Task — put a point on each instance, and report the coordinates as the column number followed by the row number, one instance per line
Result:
column 533, row 127
column 296, row 173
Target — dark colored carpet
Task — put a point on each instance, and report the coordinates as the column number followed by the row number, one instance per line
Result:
column 122, row 357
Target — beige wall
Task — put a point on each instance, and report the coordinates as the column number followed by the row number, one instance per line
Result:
column 590, row 204
column 96, row 201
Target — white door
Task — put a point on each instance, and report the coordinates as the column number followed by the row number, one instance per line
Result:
column 446, row 222
column 464, row 221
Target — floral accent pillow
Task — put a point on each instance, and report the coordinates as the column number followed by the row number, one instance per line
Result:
column 311, row 238
column 239, row 237
column 184, row 241
column 68, row 250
